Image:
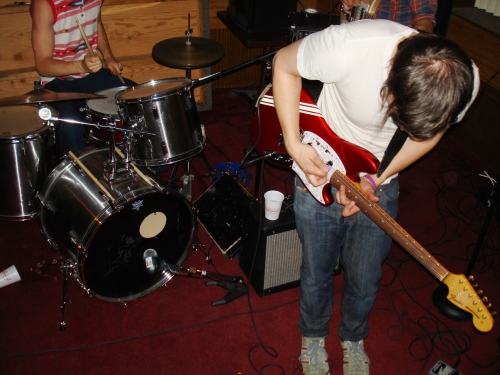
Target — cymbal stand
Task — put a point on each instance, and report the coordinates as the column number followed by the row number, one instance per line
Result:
column 188, row 33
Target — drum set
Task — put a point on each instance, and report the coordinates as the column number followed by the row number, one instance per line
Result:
column 102, row 206
column 125, row 231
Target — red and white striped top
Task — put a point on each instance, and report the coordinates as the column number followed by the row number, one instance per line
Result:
column 69, row 44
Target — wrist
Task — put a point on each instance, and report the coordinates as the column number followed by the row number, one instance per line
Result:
column 371, row 181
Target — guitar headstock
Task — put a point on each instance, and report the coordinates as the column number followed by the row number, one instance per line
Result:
column 464, row 295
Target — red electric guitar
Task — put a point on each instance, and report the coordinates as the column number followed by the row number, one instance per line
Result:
column 333, row 150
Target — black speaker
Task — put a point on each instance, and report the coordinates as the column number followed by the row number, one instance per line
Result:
column 256, row 16
column 271, row 252
column 222, row 211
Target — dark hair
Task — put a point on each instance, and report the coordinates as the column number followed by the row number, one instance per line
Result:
column 430, row 82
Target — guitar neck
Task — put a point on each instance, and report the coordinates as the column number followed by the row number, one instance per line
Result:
column 389, row 225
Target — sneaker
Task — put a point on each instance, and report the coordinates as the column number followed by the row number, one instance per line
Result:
column 313, row 356
column 356, row 361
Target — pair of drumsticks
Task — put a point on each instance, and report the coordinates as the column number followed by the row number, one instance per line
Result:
column 90, row 48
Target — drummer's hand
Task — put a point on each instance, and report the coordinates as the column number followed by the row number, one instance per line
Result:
column 114, row 66
column 348, row 4
column 91, row 64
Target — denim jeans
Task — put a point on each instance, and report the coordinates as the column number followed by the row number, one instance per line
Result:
column 71, row 137
column 361, row 247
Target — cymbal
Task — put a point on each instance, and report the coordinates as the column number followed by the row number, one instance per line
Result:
column 46, row 96
column 175, row 53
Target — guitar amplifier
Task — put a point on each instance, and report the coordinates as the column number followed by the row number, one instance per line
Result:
column 309, row 21
column 271, row 252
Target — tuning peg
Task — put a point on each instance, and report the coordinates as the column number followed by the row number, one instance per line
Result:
column 479, row 292
column 494, row 313
column 471, row 278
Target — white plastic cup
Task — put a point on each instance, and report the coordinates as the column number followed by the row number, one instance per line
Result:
column 9, row 276
column 272, row 204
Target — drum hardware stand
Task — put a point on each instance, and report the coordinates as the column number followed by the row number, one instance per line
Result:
column 110, row 170
column 188, row 178
column 64, row 268
column 233, row 284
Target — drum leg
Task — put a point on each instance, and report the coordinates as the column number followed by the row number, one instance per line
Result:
column 187, row 178
column 64, row 267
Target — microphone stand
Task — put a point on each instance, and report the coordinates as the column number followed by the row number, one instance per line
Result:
column 233, row 284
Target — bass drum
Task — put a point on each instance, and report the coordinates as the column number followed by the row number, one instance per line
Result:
column 26, row 159
column 106, row 238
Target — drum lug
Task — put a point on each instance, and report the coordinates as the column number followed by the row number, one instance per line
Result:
column 23, row 148
column 75, row 242
column 137, row 123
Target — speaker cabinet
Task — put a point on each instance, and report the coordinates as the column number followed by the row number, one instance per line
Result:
column 274, row 250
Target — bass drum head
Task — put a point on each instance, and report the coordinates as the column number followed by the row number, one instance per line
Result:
column 114, row 267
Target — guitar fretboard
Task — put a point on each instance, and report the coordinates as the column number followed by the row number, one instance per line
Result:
column 390, row 226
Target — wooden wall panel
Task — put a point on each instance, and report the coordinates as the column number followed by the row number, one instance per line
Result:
column 482, row 46
column 236, row 53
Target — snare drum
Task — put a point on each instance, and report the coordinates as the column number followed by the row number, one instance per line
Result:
column 104, row 112
column 166, row 108
column 109, row 239
column 26, row 159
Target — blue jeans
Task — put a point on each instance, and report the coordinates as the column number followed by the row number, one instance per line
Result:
column 71, row 137
column 361, row 247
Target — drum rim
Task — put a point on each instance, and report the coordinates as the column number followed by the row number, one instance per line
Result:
column 18, row 138
column 186, row 87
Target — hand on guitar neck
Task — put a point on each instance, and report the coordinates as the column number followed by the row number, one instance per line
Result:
column 355, row 10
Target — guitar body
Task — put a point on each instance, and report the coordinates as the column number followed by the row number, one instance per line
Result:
column 365, row 11
column 355, row 159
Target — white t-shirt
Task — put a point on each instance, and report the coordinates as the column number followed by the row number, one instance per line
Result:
column 352, row 60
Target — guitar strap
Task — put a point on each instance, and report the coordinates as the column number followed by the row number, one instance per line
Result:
column 397, row 141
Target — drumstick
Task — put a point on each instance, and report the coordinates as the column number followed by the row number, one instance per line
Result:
column 137, row 170
column 86, row 170
column 85, row 38
column 90, row 49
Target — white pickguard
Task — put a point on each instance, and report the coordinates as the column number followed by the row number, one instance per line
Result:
column 328, row 155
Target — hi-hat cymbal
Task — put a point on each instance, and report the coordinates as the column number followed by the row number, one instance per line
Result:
column 176, row 53
column 46, row 96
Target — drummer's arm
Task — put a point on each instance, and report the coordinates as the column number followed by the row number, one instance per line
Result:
column 42, row 41
column 103, row 46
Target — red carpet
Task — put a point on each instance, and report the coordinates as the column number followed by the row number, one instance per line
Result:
column 176, row 330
